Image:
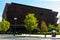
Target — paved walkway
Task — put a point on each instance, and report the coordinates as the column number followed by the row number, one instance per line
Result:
column 25, row 38
column 57, row 36
column 18, row 37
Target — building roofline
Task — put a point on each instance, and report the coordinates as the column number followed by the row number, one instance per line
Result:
column 30, row 6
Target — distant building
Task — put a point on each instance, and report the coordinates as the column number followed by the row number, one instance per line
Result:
column 15, row 10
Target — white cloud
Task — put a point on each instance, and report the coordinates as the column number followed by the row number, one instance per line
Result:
column 52, row 0
column 49, row 0
column 0, row 18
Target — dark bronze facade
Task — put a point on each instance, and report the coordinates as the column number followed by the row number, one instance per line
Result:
column 19, row 11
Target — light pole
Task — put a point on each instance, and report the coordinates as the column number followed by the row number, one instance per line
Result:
column 15, row 25
column 53, row 33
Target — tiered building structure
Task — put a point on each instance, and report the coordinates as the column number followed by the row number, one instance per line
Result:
column 19, row 11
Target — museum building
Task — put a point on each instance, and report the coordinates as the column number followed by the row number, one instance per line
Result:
column 15, row 13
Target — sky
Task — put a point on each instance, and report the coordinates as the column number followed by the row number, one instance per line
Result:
column 49, row 4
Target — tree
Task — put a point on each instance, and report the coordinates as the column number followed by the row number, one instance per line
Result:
column 51, row 27
column 4, row 25
column 44, row 27
column 31, row 22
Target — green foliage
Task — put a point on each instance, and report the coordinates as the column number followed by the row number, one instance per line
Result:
column 51, row 27
column 38, row 29
column 30, row 22
column 58, row 28
column 48, row 33
column 44, row 27
column 4, row 25
column 57, row 33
